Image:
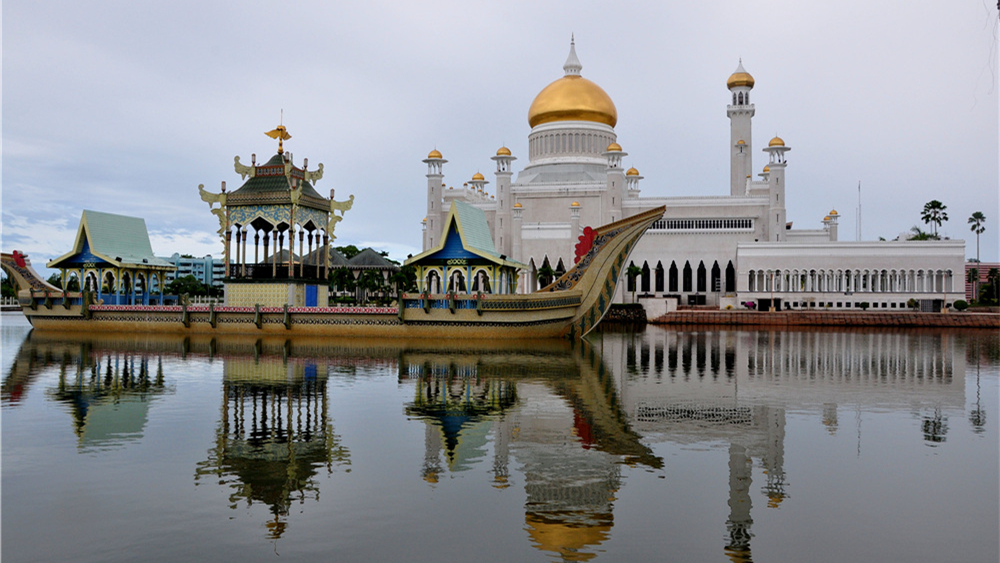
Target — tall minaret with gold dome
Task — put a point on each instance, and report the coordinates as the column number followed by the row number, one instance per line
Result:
column 435, row 174
column 740, row 139
column 776, row 150
column 505, row 202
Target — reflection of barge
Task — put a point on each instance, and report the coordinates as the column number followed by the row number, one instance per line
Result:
column 571, row 306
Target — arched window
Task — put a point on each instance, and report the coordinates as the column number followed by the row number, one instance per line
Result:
column 702, row 275
column 645, row 277
column 659, row 277
column 687, row 276
column 481, row 282
column 456, row 282
column 716, row 277
column 90, row 282
column 730, row 278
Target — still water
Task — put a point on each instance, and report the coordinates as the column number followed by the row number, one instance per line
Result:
column 663, row 445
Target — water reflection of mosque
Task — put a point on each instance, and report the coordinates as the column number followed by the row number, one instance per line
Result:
column 571, row 421
column 108, row 392
column 692, row 386
column 555, row 413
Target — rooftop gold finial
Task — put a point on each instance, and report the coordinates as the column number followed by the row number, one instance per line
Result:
column 281, row 134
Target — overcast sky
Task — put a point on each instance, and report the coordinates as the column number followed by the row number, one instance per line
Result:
column 126, row 107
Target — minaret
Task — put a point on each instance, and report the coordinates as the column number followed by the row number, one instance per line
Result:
column 776, row 189
column 435, row 174
column 502, row 230
column 632, row 178
column 478, row 183
column 740, row 144
column 831, row 224
column 739, row 522
column 616, row 184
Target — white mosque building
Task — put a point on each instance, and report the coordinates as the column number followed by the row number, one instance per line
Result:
column 717, row 250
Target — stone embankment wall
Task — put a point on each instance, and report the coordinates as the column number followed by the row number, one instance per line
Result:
column 829, row 318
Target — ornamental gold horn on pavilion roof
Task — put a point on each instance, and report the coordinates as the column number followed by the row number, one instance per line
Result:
column 281, row 134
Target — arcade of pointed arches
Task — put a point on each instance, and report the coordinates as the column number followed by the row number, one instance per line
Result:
column 685, row 278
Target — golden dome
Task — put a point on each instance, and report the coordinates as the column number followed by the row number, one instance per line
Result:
column 741, row 142
column 572, row 98
column 575, row 204
column 767, row 169
column 614, row 147
column 503, row 151
column 518, row 205
column 739, row 78
column 573, row 542
column 827, row 218
column 478, row 176
column 834, row 212
column 776, row 142
column 632, row 172
column 434, row 154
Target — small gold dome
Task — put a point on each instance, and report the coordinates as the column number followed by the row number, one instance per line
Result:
column 741, row 142
column 739, row 78
column 776, row 142
column 767, row 169
column 827, row 218
column 632, row 172
column 575, row 204
column 834, row 212
column 503, row 151
column 614, row 147
column 518, row 205
column 478, row 176
column 434, row 154
column 572, row 98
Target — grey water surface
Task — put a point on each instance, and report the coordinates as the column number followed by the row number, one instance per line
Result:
column 693, row 444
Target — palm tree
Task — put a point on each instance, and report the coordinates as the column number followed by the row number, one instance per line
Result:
column 372, row 282
column 976, row 220
column 917, row 234
column 993, row 278
column 973, row 278
column 934, row 214
column 545, row 274
column 631, row 273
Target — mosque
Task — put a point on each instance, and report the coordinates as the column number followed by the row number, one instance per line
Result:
column 721, row 251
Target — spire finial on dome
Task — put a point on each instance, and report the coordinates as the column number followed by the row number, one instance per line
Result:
column 572, row 66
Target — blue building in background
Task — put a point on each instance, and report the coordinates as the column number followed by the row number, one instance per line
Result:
column 207, row 270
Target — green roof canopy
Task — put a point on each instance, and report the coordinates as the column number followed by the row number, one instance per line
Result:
column 119, row 240
column 469, row 222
